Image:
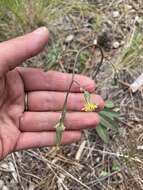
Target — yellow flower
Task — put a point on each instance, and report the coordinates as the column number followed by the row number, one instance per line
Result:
column 89, row 107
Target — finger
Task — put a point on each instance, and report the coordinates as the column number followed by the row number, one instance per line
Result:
column 17, row 50
column 42, row 139
column 36, row 79
column 53, row 101
column 45, row 121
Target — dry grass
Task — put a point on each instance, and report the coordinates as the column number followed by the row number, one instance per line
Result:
column 25, row 15
column 131, row 55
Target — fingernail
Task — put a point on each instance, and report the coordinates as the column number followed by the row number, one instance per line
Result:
column 41, row 31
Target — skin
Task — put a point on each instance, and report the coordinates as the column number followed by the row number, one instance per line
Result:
column 20, row 129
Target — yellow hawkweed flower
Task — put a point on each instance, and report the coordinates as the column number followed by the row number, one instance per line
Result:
column 89, row 107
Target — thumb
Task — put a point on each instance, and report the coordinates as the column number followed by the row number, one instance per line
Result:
column 15, row 51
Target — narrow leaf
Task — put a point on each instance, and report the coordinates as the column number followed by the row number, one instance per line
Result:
column 87, row 96
column 107, row 122
column 109, row 104
column 59, row 131
column 103, row 133
column 108, row 113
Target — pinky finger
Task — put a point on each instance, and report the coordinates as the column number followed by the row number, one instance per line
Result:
column 36, row 140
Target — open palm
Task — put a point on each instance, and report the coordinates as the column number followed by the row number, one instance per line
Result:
column 34, row 127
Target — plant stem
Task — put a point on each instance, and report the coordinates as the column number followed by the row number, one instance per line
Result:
column 73, row 74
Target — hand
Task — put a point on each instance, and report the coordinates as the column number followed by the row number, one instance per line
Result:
column 23, row 129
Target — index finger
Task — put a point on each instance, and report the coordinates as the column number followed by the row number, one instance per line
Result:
column 37, row 80
column 15, row 51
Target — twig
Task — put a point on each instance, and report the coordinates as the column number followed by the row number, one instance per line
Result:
column 103, row 178
column 127, row 85
column 80, row 151
column 60, row 180
column 125, row 123
column 17, row 171
column 118, row 155
column 53, row 165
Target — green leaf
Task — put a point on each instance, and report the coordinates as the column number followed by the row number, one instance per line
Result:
column 107, row 122
column 103, row 173
column 109, row 113
column 87, row 96
column 59, row 131
column 109, row 104
column 103, row 133
column 115, row 167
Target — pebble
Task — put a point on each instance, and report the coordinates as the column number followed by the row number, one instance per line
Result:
column 98, row 159
column 115, row 14
column 116, row 44
column 138, row 20
column 95, row 42
column 69, row 38
column 5, row 188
